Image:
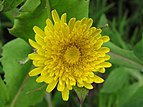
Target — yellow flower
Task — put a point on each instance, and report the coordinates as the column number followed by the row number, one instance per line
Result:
column 68, row 54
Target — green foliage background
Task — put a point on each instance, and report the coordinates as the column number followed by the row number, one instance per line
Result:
column 123, row 86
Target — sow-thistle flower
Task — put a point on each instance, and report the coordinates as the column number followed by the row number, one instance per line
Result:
column 68, row 54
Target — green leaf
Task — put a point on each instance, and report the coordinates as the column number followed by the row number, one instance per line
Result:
column 138, row 49
column 106, row 99
column 115, row 81
column 10, row 4
column 136, row 100
column 103, row 20
column 29, row 8
column 35, row 13
column 3, row 93
column 81, row 93
column 125, row 94
column 1, row 71
column 71, row 7
column 24, row 23
column 42, row 104
column 20, row 87
column 124, row 57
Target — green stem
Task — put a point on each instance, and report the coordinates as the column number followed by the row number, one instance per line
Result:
column 48, row 99
column 81, row 104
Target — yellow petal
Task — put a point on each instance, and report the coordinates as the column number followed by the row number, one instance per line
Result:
column 38, row 63
column 89, row 22
column 84, row 20
column 98, row 44
column 79, row 80
column 40, row 79
column 35, row 72
column 104, row 49
column 34, row 44
column 105, row 38
column 107, row 57
column 51, row 86
column 44, row 72
column 73, row 83
column 90, row 80
column 63, row 18
column 71, row 23
column 96, row 32
column 37, row 30
column 49, row 24
column 35, row 56
column 106, row 64
column 79, row 85
column 65, row 94
column 39, row 40
column 48, row 79
column 61, row 87
column 102, row 70
column 97, row 79
column 88, row 86
column 101, row 54
column 55, row 16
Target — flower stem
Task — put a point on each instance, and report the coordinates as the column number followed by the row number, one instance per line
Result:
column 81, row 104
column 48, row 99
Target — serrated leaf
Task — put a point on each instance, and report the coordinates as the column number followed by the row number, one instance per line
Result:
column 20, row 87
column 115, row 81
column 138, row 49
column 81, row 93
column 24, row 23
column 10, row 4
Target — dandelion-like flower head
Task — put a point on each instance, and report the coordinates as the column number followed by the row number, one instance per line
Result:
column 68, row 54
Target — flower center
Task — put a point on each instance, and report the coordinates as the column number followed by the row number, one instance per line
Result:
column 72, row 54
